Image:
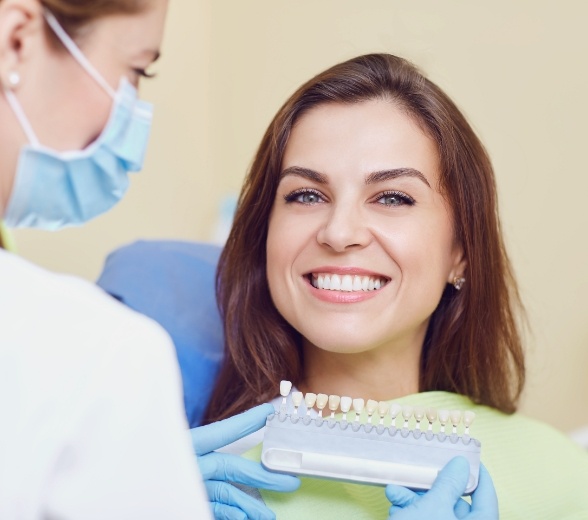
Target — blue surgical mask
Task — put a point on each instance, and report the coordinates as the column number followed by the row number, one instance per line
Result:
column 57, row 189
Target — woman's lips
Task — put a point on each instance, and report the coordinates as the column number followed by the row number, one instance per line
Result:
column 347, row 285
column 347, row 282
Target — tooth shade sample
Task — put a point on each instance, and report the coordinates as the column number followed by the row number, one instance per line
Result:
column 358, row 407
column 468, row 418
column 345, row 405
column 371, row 407
column 321, row 402
column 309, row 400
column 443, row 418
column 395, row 409
column 431, row 414
column 297, row 399
column 455, row 416
column 285, row 387
column 334, row 401
column 431, row 417
column 419, row 414
column 407, row 412
column 347, row 443
column 383, row 408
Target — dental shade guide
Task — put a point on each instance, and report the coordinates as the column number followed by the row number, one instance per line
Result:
column 373, row 452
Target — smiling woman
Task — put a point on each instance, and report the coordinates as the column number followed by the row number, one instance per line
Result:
column 403, row 190
column 366, row 259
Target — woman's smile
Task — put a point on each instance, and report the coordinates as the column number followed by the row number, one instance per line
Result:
column 344, row 285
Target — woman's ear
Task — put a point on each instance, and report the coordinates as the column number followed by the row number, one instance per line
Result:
column 21, row 29
column 459, row 265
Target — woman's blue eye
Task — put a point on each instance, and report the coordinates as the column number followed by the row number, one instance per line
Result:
column 304, row 197
column 309, row 198
column 395, row 199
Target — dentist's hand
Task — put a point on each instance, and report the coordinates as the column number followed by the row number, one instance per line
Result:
column 443, row 501
column 219, row 470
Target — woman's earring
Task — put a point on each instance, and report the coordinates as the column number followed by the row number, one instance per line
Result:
column 13, row 79
column 458, row 282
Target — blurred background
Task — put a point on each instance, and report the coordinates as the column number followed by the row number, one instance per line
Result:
column 517, row 70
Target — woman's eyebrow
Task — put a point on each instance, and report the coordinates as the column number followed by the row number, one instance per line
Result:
column 306, row 173
column 385, row 175
column 371, row 178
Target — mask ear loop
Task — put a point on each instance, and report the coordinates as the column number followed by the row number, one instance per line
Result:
column 75, row 51
column 22, row 119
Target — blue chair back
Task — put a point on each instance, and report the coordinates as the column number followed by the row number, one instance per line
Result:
column 173, row 283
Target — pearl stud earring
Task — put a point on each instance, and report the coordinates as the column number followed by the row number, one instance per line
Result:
column 458, row 282
column 13, row 79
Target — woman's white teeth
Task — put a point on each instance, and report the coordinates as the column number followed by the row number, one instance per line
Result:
column 335, row 283
column 347, row 282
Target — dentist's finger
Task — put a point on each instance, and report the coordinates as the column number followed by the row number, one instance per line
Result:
column 224, row 466
column 484, row 499
column 400, row 497
column 216, row 435
column 223, row 493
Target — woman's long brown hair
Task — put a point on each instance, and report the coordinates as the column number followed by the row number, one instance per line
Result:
column 473, row 344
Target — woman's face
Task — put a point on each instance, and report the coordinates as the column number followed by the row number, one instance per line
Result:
column 360, row 244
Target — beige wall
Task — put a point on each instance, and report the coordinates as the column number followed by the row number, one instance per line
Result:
column 517, row 69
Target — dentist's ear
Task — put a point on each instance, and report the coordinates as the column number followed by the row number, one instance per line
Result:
column 21, row 30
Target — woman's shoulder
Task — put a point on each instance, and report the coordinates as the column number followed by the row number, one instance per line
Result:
column 536, row 467
column 538, row 472
column 495, row 425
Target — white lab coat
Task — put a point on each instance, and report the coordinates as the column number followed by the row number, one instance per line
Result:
column 91, row 419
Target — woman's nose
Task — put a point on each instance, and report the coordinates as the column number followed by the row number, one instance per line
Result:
column 344, row 228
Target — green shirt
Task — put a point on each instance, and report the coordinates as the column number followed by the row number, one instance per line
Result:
column 537, row 471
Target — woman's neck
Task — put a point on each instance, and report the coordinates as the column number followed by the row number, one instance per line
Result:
column 382, row 373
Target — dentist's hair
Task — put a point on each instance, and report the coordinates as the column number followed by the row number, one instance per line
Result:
column 473, row 343
column 75, row 14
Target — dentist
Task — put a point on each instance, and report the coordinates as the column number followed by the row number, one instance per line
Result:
column 91, row 420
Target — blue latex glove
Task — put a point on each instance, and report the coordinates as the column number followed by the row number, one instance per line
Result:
column 220, row 469
column 443, row 501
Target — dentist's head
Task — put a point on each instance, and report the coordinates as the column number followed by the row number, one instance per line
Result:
column 71, row 126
